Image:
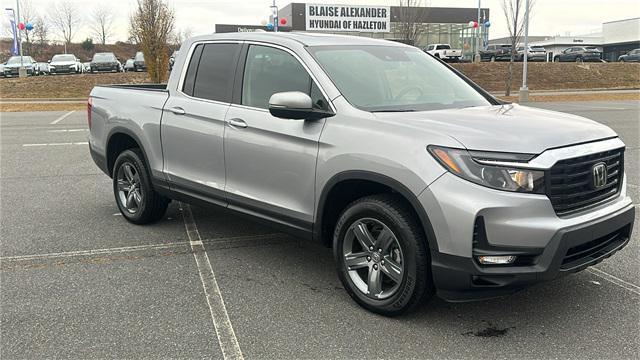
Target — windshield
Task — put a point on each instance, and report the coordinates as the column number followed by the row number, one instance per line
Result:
column 104, row 57
column 16, row 60
column 394, row 78
column 63, row 58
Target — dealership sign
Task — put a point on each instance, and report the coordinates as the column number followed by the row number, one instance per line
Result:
column 337, row 18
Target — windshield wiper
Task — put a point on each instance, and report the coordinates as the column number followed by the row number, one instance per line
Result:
column 393, row 110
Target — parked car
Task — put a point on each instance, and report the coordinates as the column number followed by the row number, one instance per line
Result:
column 444, row 52
column 504, row 54
column 631, row 56
column 489, row 54
column 422, row 182
column 105, row 61
column 138, row 62
column 11, row 68
column 578, row 54
column 86, row 66
column 172, row 60
column 128, row 65
column 43, row 68
column 2, row 69
column 535, row 53
column 65, row 64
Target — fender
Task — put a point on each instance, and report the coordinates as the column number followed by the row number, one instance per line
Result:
column 392, row 183
column 126, row 131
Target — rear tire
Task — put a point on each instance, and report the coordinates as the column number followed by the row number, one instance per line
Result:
column 136, row 199
column 386, row 277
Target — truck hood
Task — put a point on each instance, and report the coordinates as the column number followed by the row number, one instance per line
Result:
column 505, row 128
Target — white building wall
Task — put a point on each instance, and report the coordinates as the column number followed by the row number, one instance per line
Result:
column 621, row 31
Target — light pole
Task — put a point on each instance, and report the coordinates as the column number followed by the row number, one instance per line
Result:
column 479, row 29
column 524, row 90
column 21, row 71
column 274, row 16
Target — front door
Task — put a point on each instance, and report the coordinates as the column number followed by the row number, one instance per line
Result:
column 271, row 161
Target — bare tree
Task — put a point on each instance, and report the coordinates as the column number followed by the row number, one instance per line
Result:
column 40, row 32
column 152, row 24
column 27, row 15
column 102, row 23
column 66, row 19
column 180, row 35
column 514, row 12
column 411, row 14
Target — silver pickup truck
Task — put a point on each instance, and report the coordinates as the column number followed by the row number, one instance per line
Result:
column 420, row 181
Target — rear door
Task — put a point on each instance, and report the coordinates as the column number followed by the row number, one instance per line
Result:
column 193, row 121
column 271, row 162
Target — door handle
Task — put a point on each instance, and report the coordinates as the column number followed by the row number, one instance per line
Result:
column 177, row 110
column 239, row 123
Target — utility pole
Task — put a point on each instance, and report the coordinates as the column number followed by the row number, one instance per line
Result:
column 524, row 90
column 22, row 72
column 479, row 29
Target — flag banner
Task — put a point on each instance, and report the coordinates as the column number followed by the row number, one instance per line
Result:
column 14, row 31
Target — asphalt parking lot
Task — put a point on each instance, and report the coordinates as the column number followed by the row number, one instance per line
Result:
column 78, row 281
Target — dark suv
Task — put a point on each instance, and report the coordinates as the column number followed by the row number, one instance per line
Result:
column 106, row 61
column 631, row 56
column 138, row 62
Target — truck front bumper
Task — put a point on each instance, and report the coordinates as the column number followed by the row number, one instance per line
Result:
column 470, row 220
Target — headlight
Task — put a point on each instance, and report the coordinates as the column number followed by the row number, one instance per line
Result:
column 475, row 167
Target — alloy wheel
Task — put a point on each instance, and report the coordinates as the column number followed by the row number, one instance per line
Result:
column 373, row 258
column 129, row 188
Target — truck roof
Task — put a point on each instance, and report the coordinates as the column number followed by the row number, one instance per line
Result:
column 303, row 38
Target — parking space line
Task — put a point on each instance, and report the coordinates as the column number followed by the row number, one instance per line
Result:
column 221, row 323
column 224, row 330
column 615, row 280
column 61, row 117
column 67, row 130
column 125, row 249
column 57, row 144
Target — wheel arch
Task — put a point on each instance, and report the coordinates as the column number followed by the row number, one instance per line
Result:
column 120, row 139
column 326, row 215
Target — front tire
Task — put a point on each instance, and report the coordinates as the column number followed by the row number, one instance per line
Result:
column 382, row 256
column 136, row 199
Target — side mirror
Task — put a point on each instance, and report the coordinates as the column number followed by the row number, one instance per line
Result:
column 295, row 105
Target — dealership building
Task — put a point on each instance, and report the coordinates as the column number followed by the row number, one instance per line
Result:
column 446, row 25
column 615, row 38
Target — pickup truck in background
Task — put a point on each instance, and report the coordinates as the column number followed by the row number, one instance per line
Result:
column 444, row 52
column 420, row 181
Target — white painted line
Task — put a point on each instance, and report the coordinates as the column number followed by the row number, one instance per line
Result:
column 224, row 330
column 57, row 144
column 615, row 280
column 61, row 118
column 107, row 251
column 125, row 249
column 67, row 130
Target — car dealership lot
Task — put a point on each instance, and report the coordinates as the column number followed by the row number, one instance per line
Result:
column 78, row 281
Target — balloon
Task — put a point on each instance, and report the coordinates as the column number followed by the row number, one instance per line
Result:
column 471, row 23
column 487, row 23
column 283, row 21
column 21, row 26
column 269, row 26
column 29, row 26
column 263, row 22
column 475, row 24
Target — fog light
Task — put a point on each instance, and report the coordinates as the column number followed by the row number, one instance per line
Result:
column 496, row 260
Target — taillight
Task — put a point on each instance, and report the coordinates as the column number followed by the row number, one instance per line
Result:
column 89, row 106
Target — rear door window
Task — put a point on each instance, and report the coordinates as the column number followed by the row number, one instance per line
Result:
column 192, row 69
column 216, row 70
